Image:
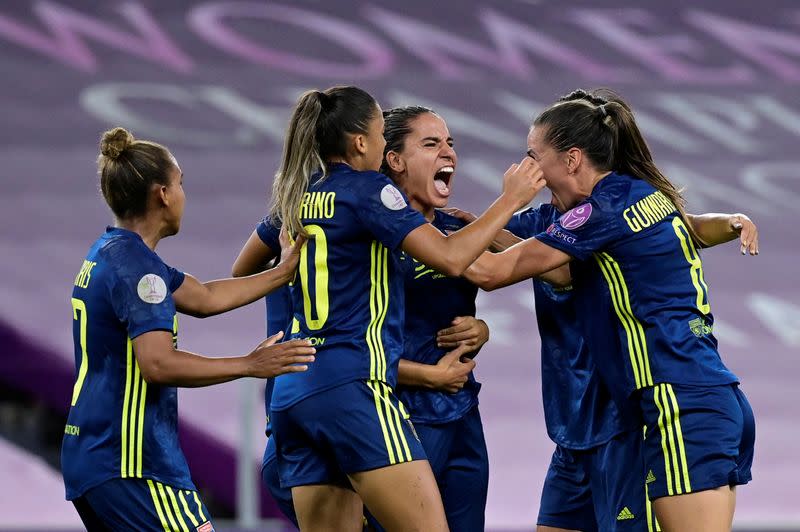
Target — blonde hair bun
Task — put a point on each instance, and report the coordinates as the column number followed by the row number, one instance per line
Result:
column 115, row 141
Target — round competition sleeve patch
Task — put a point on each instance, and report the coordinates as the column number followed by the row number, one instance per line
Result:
column 152, row 289
column 574, row 218
column 392, row 198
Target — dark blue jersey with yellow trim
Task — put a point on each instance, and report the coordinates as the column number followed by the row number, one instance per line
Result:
column 578, row 409
column 347, row 297
column 640, row 289
column 432, row 301
column 278, row 304
column 119, row 426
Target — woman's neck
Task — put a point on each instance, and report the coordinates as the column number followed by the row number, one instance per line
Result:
column 149, row 229
column 357, row 165
column 427, row 211
column 579, row 188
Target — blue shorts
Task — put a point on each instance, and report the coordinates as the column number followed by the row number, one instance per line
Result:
column 601, row 488
column 271, row 480
column 355, row 427
column 460, row 463
column 697, row 438
column 142, row 504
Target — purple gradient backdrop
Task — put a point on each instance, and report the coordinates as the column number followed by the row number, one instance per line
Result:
column 714, row 83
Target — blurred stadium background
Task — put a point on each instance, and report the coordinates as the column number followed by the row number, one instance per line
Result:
column 714, row 83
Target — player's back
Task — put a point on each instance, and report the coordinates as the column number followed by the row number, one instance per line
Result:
column 119, row 426
column 642, row 265
column 348, row 294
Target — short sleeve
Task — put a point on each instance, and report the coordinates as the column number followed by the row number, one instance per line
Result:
column 176, row 278
column 583, row 230
column 142, row 295
column 527, row 223
column 384, row 210
column 269, row 234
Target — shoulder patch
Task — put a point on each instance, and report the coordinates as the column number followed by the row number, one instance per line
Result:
column 152, row 289
column 574, row 218
column 392, row 198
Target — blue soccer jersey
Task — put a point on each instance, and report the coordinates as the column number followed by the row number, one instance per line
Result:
column 432, row 301
column 640, row 273
column 278, row 304
column 119, row 426
column 578, row 409
column 348, row 295
column 278, row 301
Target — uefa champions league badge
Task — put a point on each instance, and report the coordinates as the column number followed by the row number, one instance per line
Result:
column 392, row 198
column 574, row 218
column 152, row 289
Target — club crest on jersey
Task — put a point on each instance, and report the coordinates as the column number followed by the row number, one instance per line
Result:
column 574, row 218
column 700, row 328
column 392, row 198
column 152, row 289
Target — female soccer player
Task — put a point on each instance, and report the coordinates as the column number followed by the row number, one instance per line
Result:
column 637, row 260
column 438, row 388
column 342, row 417
column 440, row 391
column 122, row 464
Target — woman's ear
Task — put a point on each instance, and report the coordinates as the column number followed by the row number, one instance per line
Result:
column 161, row 194
column 574, row 158
column 359, row 144
column 395, row 162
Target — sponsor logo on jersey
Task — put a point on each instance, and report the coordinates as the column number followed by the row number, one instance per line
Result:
column 152, row 289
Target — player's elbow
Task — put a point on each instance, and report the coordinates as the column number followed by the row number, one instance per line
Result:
column 238, row 269
column 488, row 283
column 483, row 279
column 453, row 268
column 153, row 370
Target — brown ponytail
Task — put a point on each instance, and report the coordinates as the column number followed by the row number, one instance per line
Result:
column 602, row 124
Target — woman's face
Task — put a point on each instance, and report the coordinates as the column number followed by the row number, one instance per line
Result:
column 175, row 197
column 427, row 162
column 553, row 164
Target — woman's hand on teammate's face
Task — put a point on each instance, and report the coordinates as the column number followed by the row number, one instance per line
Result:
column 465, row 330
column 748, row 233
column 271, row 359
column 453, row 372
column 523, row 181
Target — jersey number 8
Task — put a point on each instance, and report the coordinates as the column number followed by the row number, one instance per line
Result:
column 693, row 258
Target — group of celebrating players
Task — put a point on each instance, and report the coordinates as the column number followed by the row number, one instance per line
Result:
column 371, row 402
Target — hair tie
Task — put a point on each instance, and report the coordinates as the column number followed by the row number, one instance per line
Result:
column 603, row 110
column 324, row 100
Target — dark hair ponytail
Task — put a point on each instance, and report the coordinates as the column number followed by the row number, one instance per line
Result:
column 397, row 126
column 602, row 124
